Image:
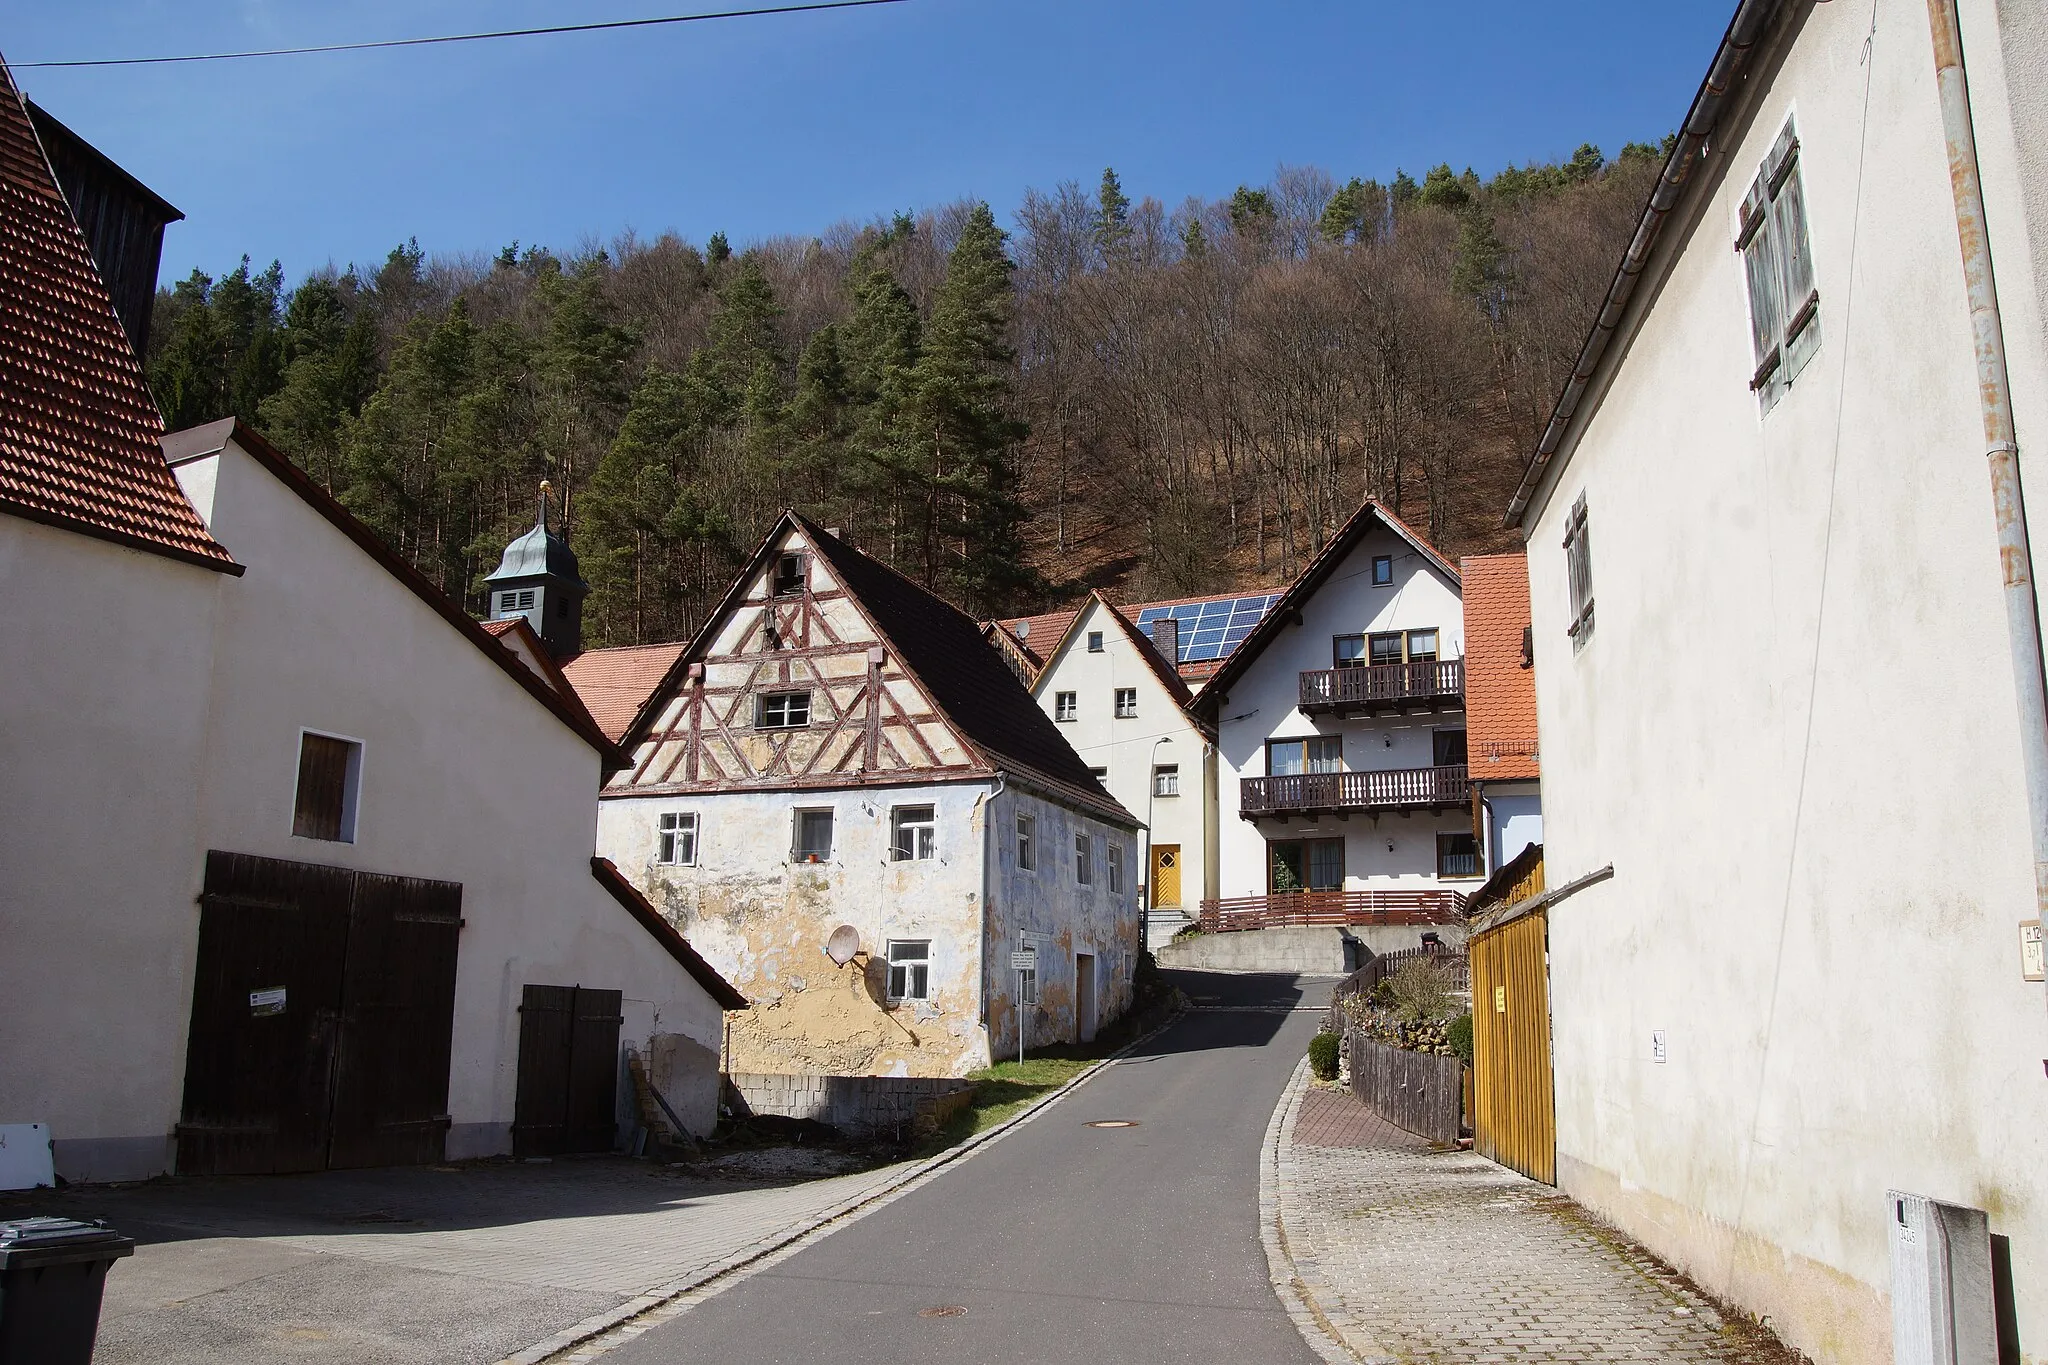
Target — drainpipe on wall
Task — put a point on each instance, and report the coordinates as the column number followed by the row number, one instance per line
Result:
column 2008, row 500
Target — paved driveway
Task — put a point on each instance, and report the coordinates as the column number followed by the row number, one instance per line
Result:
column 449, row 1264
column 1063, row 1243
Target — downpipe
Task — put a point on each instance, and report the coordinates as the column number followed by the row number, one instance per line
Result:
column 2008, row 499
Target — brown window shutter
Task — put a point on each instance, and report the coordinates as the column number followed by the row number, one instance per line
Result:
column 323, row 781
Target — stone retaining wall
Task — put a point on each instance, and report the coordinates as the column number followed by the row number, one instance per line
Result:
column 858, row 1106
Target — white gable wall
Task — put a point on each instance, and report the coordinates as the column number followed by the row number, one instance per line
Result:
column 1263, row 704
column 465, row 777
column 1792, row 732
column 1130, row 749
column 103, row 710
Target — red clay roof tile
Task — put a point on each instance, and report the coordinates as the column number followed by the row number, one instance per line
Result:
column 1500, row 692
column 78, row 427
column 616, row 683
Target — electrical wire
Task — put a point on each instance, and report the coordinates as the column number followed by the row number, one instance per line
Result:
column 462, row 37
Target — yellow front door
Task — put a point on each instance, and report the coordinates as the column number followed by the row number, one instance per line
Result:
column 1166, row 874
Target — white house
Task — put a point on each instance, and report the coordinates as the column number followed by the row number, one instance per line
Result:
column 1117, row 697
column 839, row 750
column 1804, row 999
column 288, row 835
column 1341, row 732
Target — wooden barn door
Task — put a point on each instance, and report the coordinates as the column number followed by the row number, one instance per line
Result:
column 322, row 1009
column 568, row 1071
column 397, row 1023
column 1514, row 1103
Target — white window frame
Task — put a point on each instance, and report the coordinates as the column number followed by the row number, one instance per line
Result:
column 1166, row 779
column 1027, row 842
column 913, row 838
column 1126, row 703
column 1066, row 707
column 675, row 838
column 351, row 786
column 1027, row 981
column 1773, row 238
column 1084, row 860
column 1114, row 862
column 1578, row 569
column 910, row 965
column 797, row 852
column 764, row 700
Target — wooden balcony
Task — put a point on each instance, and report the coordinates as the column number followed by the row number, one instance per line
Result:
column 1435, row 685
column 1445, row 788
column 1297, row 909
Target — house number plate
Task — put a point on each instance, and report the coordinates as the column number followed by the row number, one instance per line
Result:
column 266, row 1002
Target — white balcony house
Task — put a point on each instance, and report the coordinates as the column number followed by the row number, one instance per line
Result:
column 1343, row 793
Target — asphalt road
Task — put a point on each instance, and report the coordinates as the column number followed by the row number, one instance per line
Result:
column 1062, row 1243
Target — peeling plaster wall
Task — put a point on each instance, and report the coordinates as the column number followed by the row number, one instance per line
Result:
column 763, row 920
column 1063, row 917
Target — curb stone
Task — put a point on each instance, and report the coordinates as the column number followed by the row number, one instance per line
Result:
column 1339, row 1344
column 644, row 1311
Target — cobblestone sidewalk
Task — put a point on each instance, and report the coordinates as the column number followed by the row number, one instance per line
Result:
column 1411, row 1253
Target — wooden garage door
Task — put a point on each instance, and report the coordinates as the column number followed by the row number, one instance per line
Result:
column 1514, row 1104
column 568, row 1071
column 322, row 1011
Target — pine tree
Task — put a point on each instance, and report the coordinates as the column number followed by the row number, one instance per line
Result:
column 1442, row 189
column 960, row 414
column 1354, row 213
column 1112, row 218
column 718, row 251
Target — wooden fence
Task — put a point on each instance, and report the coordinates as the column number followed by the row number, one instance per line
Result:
column 1514, row 1112
column 1299, row 909
column 1410, row 1090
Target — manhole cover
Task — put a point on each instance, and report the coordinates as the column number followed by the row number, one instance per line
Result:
column 1113, row 1123
column 944, row 1310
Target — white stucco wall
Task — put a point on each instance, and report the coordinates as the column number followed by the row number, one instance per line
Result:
column 1263, row 705
column 1129, row 749
column 465, row 778
column 1792, row 733
column 102, row 730
column 1514, row 820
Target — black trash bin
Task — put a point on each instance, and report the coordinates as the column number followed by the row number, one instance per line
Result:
column 51, row 1273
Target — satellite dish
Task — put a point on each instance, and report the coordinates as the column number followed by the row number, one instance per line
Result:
column 1023, row 630
column 843, row 944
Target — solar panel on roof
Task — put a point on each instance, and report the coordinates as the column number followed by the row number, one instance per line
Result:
column 1210, row 630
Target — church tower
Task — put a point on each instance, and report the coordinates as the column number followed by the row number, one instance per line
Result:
column 538, row 579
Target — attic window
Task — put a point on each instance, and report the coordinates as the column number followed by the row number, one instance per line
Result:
column 1382, row 570
column 1578, row 559
column 1094, row 642
column 782, row 711
column 789, row 576
column 1777, row 258
column 330, row 772
column 1126, row 703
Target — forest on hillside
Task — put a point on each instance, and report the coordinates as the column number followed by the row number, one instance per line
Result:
column 1107, row 393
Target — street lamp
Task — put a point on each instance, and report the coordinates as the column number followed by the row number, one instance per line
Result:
column 1151, row 796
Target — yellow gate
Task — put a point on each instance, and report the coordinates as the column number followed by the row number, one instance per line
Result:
column 1514, row 1105
column 1166, row 874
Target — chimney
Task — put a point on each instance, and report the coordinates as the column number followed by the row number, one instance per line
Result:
column 1165, row 632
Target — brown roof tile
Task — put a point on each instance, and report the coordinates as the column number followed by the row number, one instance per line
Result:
column 78, row 427
column 616, row 683
column 1500, row 692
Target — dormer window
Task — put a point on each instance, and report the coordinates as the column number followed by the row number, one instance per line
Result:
column 789, row 576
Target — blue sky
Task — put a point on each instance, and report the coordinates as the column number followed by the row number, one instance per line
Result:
column 788, row 124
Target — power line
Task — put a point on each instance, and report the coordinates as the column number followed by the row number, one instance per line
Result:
column 463, row 37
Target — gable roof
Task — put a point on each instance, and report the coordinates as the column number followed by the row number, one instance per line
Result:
column 656, row 924
column 616, row 683
column 1312, row 576
column 1500, row 688
column 1730, row 65
column 1168, row 677
column 1043, row 632
column 78, row 427
column 942, row 650
column 194, row 442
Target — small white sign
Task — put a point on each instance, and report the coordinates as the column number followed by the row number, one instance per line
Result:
column 264, row 1002
column 2030, row 950
column 1024, row 960
column 1658, row 1052
column 26, row 1159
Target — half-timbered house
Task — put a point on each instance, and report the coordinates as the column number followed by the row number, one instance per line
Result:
column 838, row 749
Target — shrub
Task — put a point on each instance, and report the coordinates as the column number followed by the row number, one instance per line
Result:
column 1460, row 1037
column 1422, row 990
column 1322, row 1056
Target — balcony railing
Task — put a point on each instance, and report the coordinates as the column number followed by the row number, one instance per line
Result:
column 1294, row 909
column 1434, row 684
column 1390, row 789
